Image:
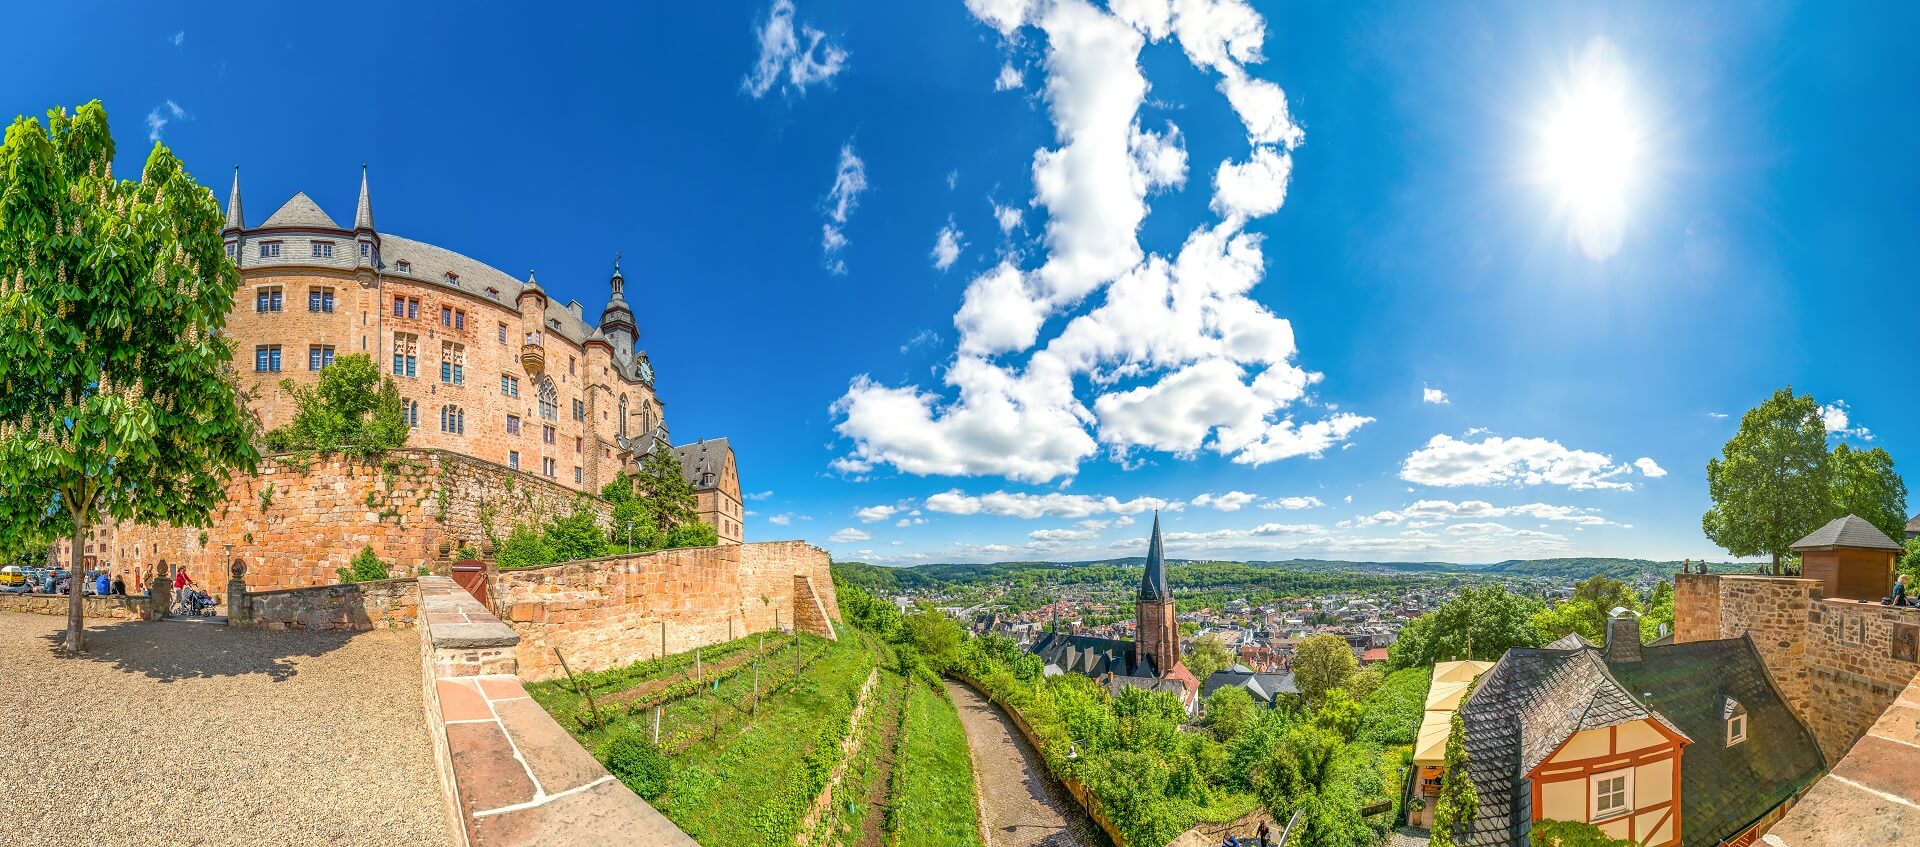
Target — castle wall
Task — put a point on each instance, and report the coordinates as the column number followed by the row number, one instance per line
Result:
column 297, row 522
column 1838, row 663
column 382, row 604
column 603, row 613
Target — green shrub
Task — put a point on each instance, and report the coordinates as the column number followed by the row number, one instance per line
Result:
column 525, row 548
column 639, row 764
column 366, row 567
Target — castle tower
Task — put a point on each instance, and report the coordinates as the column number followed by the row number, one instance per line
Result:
column 366, row 240
column 617, row 320
column 1157, row 640
column 236, row 220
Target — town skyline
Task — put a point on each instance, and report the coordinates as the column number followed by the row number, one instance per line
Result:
column 1530, row 385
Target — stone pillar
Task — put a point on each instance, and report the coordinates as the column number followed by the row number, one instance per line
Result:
column 160, row 590
column 239, row 611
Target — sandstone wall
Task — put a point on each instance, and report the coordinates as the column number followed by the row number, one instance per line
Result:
column 385, row 604
column 297, row 522
column 603, row 613
column 1839, row 663
column 119, row 608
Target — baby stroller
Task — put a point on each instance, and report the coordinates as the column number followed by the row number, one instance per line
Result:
column 196, row 604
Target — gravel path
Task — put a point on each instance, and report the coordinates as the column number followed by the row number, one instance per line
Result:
column 194, row 734
column 1024, row 806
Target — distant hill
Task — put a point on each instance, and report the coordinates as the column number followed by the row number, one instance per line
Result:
column 890, row 579
column 1625, row 570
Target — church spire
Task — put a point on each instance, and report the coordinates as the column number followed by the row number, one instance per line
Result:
column 363, row 213
column 235, row 219
column 618, row 282
column 1153, row 583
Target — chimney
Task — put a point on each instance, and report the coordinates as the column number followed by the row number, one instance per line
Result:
column 1623, row 636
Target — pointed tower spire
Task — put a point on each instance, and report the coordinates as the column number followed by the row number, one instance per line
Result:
column 363, row 213
column 236, row 220
column 1153, row 583
column 618, row 282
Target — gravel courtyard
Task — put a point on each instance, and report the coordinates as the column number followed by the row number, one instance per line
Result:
column 186, row 733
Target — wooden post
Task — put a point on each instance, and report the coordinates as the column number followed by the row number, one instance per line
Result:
column 756, row 673
column 656, row 725
column 582, row 691
column 697, row 669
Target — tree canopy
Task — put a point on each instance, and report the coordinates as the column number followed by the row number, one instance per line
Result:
column 1865, row 484
column 1489, row 618
column 1208, row 654
column 116, row 396
column 1322, row 663
column 353, row 410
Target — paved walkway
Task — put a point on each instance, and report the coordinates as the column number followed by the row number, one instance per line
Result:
column 180, row 733
column 1024, row 807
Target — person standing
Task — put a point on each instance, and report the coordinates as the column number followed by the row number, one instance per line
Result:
column 102, row 584
column 180, row 584
column 1262, row 833
column 1900, row 596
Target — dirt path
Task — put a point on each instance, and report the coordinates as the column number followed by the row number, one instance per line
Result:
column 1022, row 805
column 872, row 829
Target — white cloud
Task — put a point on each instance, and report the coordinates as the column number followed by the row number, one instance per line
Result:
column 953, row 179
column 162, row 115
column 925, row 336
column 1058, row 535
column 947, row 246
column 1835, row 416
column 1718, row 416
column 781, row 55
column 909, row 521
column 1009, row 78
column 849, row 182
column 850, row 535
column 780, row 520
column 759, row 495
column 1052, row 505
column 1293, row 504
column 179, row 38
column 1232, row 501
column 1175, row 354
column 1649, row 468
column 1446, row 461
column 1448, row 510
column 1434, row 396
column 875, row 514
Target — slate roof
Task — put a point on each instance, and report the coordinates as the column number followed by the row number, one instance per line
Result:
column 1153, row 581
column 300, row 211
column 1913, row 526
column 1570, row 641
column 1533, row 700
column 1088, row 655
column 703, row 457
column 1263, row 686
column 1723, row 789
column 1852, row 532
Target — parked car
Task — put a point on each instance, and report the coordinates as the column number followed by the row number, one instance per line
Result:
column 12, row 575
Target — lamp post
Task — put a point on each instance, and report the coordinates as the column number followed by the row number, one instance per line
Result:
column 629, row 536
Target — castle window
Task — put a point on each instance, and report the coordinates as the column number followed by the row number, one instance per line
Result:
column 513, row 459
column 323, row 249
column 403, row 266
column 319, row 356
column 320, row 300
column 1736, row 716
column 366, row 249
column 453, row 421
column 1612, row 793
column 460, row 319
column 509, row 385
column 266, row 358
column 546, row 436
column 576, row 474
column 579, row 410
column 623, row 416
column 268, row 299
column 569, row 365
column 549, row 401
column 495, row 294
column 706, row 480
column 453, row 279
column 413, row 413
column 503, row 333
column 406, row 354
column 453, row 360
column 446, row 316
column 269, row 249
column 578, row 443
column 547, row 467
column 399, row 307
column 513, row 424
column 233, row 248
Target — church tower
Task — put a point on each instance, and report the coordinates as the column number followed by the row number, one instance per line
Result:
column 1157, row 640
column 617, row 320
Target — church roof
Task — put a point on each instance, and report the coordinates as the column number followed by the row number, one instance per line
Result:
column 300, row 211
column 1851, row 532
column 1087, row 655
column 1153, row 583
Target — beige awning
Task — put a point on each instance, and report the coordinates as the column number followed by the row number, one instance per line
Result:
column 1450, row 682
column 1431, row 746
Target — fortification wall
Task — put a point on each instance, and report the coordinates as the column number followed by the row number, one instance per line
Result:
column 1839, row 663
column 296, row 522
column 603, row 613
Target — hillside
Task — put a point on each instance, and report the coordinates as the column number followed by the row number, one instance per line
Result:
column 880, row 578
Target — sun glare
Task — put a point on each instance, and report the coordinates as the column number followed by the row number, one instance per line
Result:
column 1590, row 148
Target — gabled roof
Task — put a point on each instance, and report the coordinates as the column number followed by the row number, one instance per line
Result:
column 1851, row 532
column 1570, row 641
column 703, row 457
column 1263, row 686
column 1914, row 525
column 1086, row 655
column 300, row 212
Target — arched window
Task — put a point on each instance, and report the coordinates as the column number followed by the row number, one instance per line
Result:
column 646, row 415
column 413, row 413
column 623, row 416
column 453, row 421
column 549, row 400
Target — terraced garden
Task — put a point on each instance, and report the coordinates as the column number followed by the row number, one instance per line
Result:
column 733, row 769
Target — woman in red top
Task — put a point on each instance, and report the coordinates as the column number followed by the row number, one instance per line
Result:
column 180, row 583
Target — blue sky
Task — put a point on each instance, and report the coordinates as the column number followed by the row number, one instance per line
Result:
column 991, row 279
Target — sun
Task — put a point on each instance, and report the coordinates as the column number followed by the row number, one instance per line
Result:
column 1591, row 147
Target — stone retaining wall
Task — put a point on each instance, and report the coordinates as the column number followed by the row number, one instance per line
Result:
column 297, row 521
column 383, row 604
column 1838, row 663
column 603, row 613
column 116, row 608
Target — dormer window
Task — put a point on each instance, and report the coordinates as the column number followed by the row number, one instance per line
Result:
column 403, row 266
column 1736, row 716
column 494, row 293
column 453, row 279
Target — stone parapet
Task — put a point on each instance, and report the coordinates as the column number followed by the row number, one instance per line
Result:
column 382, row 604
column 114, row 608
column 462, row 637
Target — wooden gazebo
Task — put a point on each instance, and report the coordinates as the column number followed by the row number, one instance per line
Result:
column 1852, row 559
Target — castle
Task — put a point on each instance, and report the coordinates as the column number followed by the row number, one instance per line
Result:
column 488, row 367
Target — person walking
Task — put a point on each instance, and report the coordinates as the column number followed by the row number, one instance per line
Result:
column 1901, row 597
column 1262, row 833
column 180, row 584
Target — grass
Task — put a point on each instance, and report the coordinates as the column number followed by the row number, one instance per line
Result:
column 557, row 695
column 752, row 787
column 932, row 803
column 853, row 814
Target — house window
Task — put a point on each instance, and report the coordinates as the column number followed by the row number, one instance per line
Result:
column 453, row 421
column 323, row 249
column 1736, row 716
column 406, row 354
column 453, row 360
column 546, row 435
column 513, row 459
column 706, row 480
column 547, row 467
column 268, row 299
column 503, row 333
column 513, row 424
column 266, row 358
column 269, row 249
column 319, row 356
column 320, row 300
column 404, row 266
column 509, row 385
column 1612, row 793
